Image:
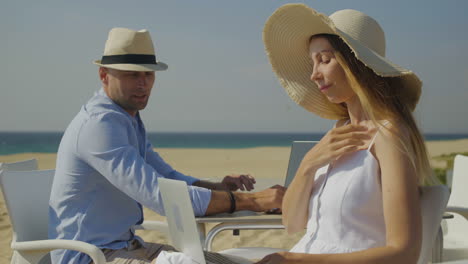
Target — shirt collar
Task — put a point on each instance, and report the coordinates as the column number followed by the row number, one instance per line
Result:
column 101, row 93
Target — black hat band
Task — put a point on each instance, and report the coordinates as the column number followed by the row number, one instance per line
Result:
column 129, row 59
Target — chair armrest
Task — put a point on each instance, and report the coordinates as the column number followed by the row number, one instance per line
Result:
column 154, row 225
column 239, row 226
column 37, row 248
column 463, row 211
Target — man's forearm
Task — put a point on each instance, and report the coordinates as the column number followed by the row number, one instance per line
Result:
column 221, row 202
column 209, row 185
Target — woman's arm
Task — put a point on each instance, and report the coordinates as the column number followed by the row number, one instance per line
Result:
column 402, row 212
column 400, row 193
column 296, row 199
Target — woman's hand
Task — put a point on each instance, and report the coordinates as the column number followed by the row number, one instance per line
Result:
column 337, row 142
column 277, row 258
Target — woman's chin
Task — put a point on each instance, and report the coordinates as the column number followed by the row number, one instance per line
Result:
column 334, row 100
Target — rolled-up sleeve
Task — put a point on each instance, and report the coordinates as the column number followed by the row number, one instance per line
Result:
column 103, row 143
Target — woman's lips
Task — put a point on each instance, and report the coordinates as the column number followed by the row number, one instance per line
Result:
column 324, row 87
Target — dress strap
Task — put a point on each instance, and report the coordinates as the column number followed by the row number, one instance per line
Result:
column 375, row 136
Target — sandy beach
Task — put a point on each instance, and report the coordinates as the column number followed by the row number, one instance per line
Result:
column 268, row 164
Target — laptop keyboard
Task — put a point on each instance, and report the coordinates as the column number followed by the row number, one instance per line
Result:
column 217, row 258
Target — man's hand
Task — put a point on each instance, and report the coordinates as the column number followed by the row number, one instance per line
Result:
column 268, row 199
column 231, row 182
column 236, row 182
column 259, row 201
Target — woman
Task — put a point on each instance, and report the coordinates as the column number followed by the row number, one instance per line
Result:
column 356, row 191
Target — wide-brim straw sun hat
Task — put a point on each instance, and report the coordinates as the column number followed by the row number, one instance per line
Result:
column 130, row 50
column 286, row 37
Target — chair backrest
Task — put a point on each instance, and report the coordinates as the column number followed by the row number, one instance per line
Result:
column 24, row 165
column 298, row 150
column 433, row 203
column 27, row 195
column 459, row 195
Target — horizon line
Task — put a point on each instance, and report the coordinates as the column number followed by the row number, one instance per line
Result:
column 232, row 132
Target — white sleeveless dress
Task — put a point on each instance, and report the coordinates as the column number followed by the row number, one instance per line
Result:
column 345, row 208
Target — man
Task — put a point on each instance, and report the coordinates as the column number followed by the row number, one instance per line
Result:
column 107, row 169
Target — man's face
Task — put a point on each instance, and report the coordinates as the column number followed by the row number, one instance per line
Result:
column 129, row 89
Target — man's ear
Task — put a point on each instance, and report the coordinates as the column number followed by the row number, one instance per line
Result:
column 103, row 76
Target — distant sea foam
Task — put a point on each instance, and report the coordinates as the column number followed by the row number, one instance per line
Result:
column 48, row 142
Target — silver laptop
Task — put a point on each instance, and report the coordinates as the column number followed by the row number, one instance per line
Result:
column 182, row 226
column 298, row 151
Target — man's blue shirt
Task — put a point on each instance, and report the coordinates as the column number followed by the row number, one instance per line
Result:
column 106, row 170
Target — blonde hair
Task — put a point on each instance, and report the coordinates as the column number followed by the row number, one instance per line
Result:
column 383, row 99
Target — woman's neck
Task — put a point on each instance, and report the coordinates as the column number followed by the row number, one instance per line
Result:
column 355, row 110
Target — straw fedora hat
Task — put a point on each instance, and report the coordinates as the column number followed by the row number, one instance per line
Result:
column 130, row 50
column 286, row 37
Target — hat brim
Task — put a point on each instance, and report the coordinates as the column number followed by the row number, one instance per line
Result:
column 286, row 37
column 160, row 66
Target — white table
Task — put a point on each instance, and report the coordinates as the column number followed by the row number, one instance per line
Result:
column 241, row 220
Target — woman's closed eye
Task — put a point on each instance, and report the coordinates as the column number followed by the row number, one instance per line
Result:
column 325, row 59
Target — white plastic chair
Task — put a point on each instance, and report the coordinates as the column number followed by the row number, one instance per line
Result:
column 455, row 238
column 463, row 261
column 27, row 195
column 458, row 202
column 456, row 229
column 24, row 165
column 433, row 203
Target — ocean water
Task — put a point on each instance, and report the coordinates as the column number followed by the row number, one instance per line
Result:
column 48, row 142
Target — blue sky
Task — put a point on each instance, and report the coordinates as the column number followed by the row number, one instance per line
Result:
column 219, row 78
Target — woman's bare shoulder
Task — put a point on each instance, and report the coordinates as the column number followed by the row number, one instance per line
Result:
column 392, row 130
column 391, row 135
